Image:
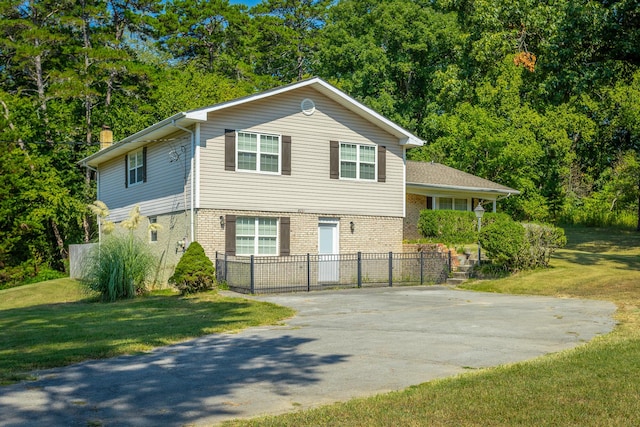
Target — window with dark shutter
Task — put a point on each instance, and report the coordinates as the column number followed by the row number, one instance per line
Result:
column 285, row 236
column 230, row 235
column 126, row 171
column 229, row 150
column 286, row 155
column 382, row 163
column 334, row 160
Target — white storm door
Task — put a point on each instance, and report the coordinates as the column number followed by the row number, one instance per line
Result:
column 328, row 252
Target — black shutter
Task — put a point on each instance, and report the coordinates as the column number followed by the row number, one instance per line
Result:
column 382, row 163
column 230, row 235
column 285, row 236
column 429, row 202
column 126, row 171
column 286, row 155
column 334, row 160
column 144, row 164
column 229, row 150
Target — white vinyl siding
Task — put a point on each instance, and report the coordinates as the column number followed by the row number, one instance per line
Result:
column 357, row 161
column 136, row 167
column 309, row 188
column 258, row 152
column 256, row 236
column 167, row 182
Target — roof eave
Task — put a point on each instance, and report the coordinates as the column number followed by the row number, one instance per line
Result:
column 115, row 149
column 501, row 191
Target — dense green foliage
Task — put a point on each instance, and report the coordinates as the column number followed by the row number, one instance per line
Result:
column 195, row 271
column 542, row 97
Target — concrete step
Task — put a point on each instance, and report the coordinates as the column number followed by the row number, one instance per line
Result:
column 460, row 274
column 455, row 281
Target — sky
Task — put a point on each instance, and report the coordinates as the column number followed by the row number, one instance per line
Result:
column 249, row 3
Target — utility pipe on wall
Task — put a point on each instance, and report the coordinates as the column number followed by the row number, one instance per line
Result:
column 191, row 221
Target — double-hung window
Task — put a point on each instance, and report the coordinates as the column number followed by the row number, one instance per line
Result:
column 357, row 161
column 135, row 166
column 256, row 236
column 449, row 203
column 258, row 152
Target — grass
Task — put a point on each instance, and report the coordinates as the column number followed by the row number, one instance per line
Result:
column 57, row 323
column 595, row 384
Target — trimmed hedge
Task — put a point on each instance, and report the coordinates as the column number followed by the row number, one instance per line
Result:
column 195, row 271
column 510, row 245
column 454, row 227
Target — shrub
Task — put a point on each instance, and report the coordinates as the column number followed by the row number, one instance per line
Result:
column 454, row 227
column 195, row 271
column 118, row 267
column 503, row 239
column 541, row 241
column 449, row 227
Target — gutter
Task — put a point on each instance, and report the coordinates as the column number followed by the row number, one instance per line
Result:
column 507, row 191
column 193, row 141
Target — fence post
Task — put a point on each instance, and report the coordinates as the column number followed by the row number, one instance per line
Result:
column 450, row 263
column 390, row 269
column 421, row 268
column 308, row 272
column 225, row 268
column 251, row 282
column 359, row 269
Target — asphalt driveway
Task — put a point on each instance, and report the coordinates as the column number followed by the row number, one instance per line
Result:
column 341, row 345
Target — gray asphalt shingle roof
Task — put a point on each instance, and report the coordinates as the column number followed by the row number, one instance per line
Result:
column 431, row 174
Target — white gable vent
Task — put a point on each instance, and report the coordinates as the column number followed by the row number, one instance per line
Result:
column 308, row 107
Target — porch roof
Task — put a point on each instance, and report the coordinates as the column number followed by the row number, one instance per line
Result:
column 431, row 175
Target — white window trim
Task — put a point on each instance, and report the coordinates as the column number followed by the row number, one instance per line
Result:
column 256, row 237
column 153, row 220
column 129, row 168
column 259, row 135
column 357, row 161
column 453, row 202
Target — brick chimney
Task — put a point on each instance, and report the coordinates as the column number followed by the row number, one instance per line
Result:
column 106, row 137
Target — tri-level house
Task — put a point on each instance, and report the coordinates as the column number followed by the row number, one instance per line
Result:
column 299, row 169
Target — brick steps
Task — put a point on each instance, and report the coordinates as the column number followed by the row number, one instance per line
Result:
column 463, row 272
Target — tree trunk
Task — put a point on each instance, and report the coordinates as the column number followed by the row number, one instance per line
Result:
column 59, row 241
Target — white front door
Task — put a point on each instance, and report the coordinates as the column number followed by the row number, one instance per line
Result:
column 328, row 251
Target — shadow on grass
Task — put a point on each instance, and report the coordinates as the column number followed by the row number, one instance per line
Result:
column 625, row 262
column 53, row 335
column 180, row 383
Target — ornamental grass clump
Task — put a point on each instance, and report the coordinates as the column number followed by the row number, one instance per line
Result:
column 120, row 265
column 195, row 271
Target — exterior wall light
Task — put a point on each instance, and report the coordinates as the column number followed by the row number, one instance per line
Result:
column 352, row 226
column 221, row 221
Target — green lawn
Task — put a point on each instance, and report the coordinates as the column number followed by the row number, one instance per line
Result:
column 55, row 323
column 596, row 384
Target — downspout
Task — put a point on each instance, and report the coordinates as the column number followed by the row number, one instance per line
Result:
column 193, row 141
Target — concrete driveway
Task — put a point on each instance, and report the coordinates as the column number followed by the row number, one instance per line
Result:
column 341, row 345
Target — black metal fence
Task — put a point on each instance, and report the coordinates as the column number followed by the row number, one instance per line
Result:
column 315, row 272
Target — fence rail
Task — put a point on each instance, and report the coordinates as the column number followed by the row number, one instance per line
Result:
column 315, row 272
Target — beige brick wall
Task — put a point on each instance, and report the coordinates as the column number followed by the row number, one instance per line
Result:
column 371, row 234
column 415, row 203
